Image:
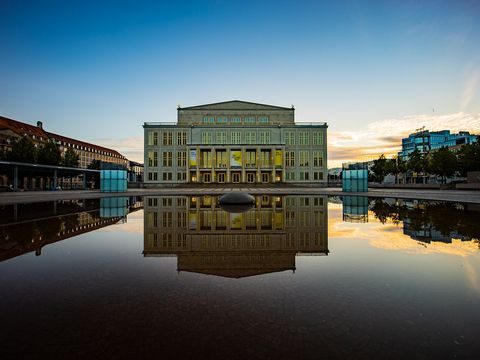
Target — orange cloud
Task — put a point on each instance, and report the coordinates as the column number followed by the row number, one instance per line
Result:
column 384, row 137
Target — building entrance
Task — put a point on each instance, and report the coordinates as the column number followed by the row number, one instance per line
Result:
column 221, row 177
column 207, row 177
column 235, row 177
column 250, row 177
column 265, row 177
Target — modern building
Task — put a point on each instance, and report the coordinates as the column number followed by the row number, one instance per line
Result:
column 425, row 141
column 235, row 142
column 206, row 238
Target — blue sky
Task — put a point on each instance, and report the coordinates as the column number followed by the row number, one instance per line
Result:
column 373, row 70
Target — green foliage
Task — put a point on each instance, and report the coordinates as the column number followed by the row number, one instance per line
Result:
column 443, row 162
column 49, row 154
column 395, row 166
column 94, row 165
column 378, row 168
column 23, row 151
column 70, row 158
column 415, row 161
column 469, row 158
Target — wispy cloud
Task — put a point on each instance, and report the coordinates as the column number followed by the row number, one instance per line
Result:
column 384, row 137
column 470, row 89
column 131, row 147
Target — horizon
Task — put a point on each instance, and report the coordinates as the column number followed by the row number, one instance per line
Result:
column 373, row 73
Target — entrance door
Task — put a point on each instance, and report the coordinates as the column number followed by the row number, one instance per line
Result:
column 236, row 177
column 265, row 177
column 251, row 177
column 221, row 177
column 207, row 178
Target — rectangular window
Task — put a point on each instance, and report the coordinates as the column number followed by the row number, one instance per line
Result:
column 290, row 158
column 249, row 120
column 317, row 138
column 236, row 119
column 221, row 159
column 264, row 137
column 167, row 176
column 152, row 138
column 318, row 175
column 167, row 138
column 265, row 158
column 152, row 158
column 206, row 137
column 290, row 138
column 182, row 158
column 263, row 119
column 317, row 158
column 304, row 175
column 152, row 176
column 250, row 137
column 250, row 159
column 221, row 137
column 303, row 138
column 181, row 138
column 236, row 137
column 304, row 158
column 181, row 176
column 222, row 120
column 167, row 158
column 208, row 119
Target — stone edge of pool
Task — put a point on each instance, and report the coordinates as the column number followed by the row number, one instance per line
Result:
column 466, row 196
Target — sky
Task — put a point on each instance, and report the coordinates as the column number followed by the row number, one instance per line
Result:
column 374, row 71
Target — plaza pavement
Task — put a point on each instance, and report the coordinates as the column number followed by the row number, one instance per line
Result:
column 439, row 195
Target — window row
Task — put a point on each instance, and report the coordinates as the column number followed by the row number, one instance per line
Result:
column 236, row 120
column 167, row 138
column 168, row 176
column 303, row 137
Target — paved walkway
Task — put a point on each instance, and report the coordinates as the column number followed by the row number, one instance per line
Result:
column 440, row 195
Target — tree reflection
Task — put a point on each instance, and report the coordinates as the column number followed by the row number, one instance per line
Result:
column 451, row 220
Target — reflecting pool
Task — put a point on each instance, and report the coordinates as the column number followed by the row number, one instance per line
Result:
column 291, row 277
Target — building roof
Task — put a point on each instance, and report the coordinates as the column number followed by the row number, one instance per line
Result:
column 22, row 128
column 83, row 144
column 235, row 105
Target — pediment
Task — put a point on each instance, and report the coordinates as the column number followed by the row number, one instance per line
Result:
column 235, row 105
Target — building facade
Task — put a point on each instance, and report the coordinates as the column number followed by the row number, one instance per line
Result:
column 235, row 142
column 425, row 141
column 12, row 130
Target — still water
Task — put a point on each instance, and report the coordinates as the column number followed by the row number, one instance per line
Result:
column 290, row 278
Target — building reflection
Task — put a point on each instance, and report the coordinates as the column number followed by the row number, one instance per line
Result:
column 28, row 228
column 208, row 239
column 426, row 221
column 355, row 209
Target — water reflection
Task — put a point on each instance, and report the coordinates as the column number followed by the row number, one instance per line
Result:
column 29, row 227
column 209, row 239
column 422, row 220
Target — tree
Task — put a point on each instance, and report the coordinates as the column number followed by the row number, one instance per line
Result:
column 418, row 163
column 49, row 154
column 70, row 158
column 443, row 163
column 469, row 158
column 23, row 151
column 378, row 168
column 395, row 166
column 94, row 165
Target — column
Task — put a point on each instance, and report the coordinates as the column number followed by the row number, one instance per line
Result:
column 15, row 178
